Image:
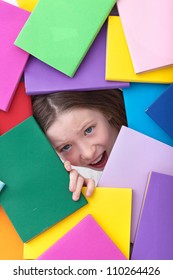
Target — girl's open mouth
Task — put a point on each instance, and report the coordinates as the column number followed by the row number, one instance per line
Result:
column 100, row 162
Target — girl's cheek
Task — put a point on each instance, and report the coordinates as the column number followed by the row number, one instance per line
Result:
column 71, row 156
column 68, row 156
column 61, row 156
column 74, row 159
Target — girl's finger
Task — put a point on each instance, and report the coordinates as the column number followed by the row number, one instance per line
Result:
column 73, row 180
column 79, row 185
column 90, row 187
column 67, row 165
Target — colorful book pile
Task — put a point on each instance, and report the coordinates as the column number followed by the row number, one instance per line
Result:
column 87, row 45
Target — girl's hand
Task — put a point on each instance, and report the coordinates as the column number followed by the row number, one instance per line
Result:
column 77, row 181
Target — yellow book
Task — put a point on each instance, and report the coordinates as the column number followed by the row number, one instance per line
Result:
column 119, row 65
column 28, row 5
column 110, row 207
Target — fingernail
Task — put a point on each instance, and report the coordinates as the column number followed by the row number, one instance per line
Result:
column 67, row 165
column 75, row 197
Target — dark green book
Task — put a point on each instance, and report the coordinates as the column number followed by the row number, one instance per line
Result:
column 36, row 193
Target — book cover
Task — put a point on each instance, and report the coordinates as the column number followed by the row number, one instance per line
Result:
column 133, row 156
column 161, row 111
column 13, row 59
column 154, row 237
column 20, row 110
column 60, row 32
column 11, row 246
column 28, row 5
column 36, row 193
column 119, row 65
column 110, row 207
column 85, row 241
column 137, row 98
column 41, row 78
column 146, row 26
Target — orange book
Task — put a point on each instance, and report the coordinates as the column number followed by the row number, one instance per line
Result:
column 11, row 246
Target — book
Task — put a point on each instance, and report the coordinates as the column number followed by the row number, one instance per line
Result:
column 161, row 111
column 13, row 59
column 19, row 110
column 11, row 246
column 150, row 43
column 119, row 65
column 137, row 98
column 110, row 207
column 85, row 241
column 133, row 156
column 61, row 32
column 36, row 193
column 155, row 230
column 41, row 78
column 28, row 5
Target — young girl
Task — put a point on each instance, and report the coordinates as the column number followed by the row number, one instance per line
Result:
column 82, row 127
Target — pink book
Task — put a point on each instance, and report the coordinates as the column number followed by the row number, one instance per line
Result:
column 133, row 156
column 12, row 59
column 148, row 30
column 85, row 241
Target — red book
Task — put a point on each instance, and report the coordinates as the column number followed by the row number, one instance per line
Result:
column 20, row 110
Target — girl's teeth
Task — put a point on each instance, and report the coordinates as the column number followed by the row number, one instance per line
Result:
column 95, row 162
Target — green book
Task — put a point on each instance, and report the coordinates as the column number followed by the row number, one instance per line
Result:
column 60, row 32
column 36, row 193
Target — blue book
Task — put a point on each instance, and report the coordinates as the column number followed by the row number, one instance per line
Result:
column 138, row 98
column 161, row 111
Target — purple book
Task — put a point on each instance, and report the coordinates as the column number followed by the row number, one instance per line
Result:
column 40, row 78
column 133, row 156
column 154, row 238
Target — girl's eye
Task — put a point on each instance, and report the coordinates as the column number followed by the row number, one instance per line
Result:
column 66, row 148
column 88, row 130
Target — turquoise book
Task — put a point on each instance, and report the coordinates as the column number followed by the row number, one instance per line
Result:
column 36, row 194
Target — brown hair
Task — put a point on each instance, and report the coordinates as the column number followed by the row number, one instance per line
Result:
column 110, row 102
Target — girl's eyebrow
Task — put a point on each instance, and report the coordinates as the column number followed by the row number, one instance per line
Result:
column 85, row 124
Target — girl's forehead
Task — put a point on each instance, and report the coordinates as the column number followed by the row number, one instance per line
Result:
column 80, row 112
column 75, row 119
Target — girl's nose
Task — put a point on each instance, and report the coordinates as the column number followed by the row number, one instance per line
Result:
column 87, row 152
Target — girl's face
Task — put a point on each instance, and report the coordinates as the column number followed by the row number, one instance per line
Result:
column 83, row 136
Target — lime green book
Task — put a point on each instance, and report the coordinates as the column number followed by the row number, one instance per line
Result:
column 60, row 32
column 36, row 194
